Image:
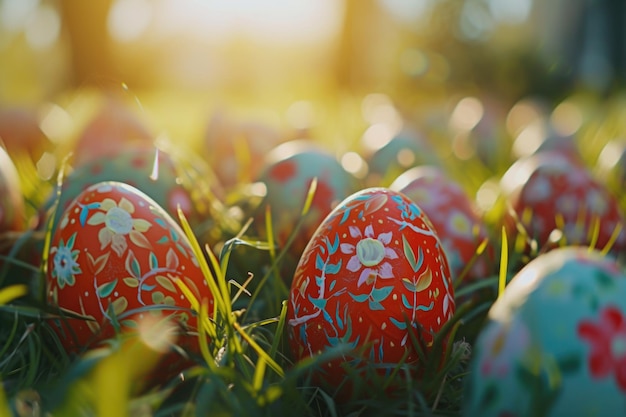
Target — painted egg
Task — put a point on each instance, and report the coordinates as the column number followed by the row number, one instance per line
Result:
column 112, row 129
column 236, row 150
column 11, row 201
column 20, row 132
column 554, row 343
column 155, row 173
column 288, row 173
column 455, row 218
column 546, row 191
column 373, row 274
column 389, row 157
column 115, row 258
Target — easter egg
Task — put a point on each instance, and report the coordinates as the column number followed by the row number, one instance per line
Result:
column 287, row 174
column 114, row 259
column 388, row 157
column 547, row 191
column 112, row 128
column 11, row 201
column 554, row 341
column 454, row 217
column 151, row 170
column 374, row 274
column 235, row 150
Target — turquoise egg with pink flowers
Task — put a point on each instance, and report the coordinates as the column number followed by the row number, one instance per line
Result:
column 554, row 343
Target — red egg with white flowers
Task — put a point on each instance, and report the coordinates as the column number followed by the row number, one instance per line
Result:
column 373, row 274
column 115, row 258
column 454, row 216
column 547, row 191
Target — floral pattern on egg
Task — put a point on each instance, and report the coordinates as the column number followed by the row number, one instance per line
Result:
column 547, row 191
column 114, row 258
column 372, row 266
column 453, row 215
column 554, row 343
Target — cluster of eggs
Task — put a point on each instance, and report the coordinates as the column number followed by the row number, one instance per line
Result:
column 376, row 258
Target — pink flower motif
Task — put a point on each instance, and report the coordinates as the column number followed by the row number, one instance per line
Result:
column 607, row 340
column 369, row 254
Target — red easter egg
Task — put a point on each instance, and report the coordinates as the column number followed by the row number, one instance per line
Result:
column 548, row 191
column 115, row 258
column 373, row 265
column 454, row 216
column 112, row 129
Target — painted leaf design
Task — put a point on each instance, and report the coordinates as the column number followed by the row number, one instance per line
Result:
column 120, row 305
column 380, row 294
column 375, row 203
column 153, row 261
column 132, row 265
column 375, row 305
column 409, row 285
column 171, row 259
column 166, row 283
column 318, row 302
column 416, row 263
column 96, row 265
column 146, row 287
column 406, row 303
column 139, row 239
column 319, row 262
column 107, row 288
column 424, row 281
column 333, row 248
column 131, row 282
column 333, row 268
column 359, row 298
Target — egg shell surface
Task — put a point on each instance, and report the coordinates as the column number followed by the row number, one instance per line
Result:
column 288, row 173
column 114, row 258
column 135, row 167
column 547, row 191
column 373, row 265
column 454, row 216
column 553, row 343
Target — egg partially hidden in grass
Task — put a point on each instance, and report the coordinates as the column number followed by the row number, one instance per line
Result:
column 374, row 277
column 115, row 259
column 554, row 343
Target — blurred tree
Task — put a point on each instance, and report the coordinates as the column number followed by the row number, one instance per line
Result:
column 85, row 23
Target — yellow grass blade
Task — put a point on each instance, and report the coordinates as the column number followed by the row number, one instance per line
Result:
column 12, row 292
column 504, row 259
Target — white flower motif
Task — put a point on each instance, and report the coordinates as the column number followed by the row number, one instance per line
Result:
column 370, row 254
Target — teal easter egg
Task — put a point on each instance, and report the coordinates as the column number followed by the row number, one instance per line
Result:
column 288, row 173
column 554, row 343
column 389, row 157
column 156, row 173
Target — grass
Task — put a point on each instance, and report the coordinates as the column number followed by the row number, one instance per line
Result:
column 244, row 366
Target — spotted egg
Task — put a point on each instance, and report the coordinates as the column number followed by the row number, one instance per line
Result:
column 454, row 216
column 373, row 275
column 115, row 258
column 287, row 173
column 554, row 342
column 546, row 191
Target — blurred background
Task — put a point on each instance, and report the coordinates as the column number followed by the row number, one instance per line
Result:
column 181, row 59
column 253, row 48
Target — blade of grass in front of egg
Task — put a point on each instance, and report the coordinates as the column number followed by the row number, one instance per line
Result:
column 612, row 239
column 504, row 258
